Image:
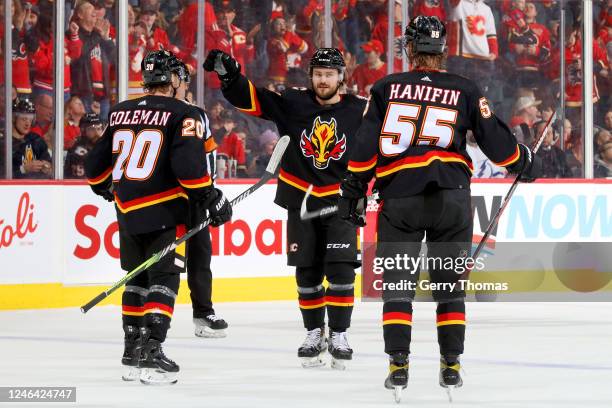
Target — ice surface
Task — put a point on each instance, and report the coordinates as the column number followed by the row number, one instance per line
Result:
column 517, row 355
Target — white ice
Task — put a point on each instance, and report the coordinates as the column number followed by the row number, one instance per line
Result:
column 517, row 355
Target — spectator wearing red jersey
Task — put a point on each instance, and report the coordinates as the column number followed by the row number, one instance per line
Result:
column 156, row 37
column 74, row 111
column 231, row 39
column 43, row 104
column 90, row 72
column 186, row 24
column 525, row 111
column 229, row 143
column 380, row 33
column 281, row 43
column 433, row 8
column 513, row 22
column 530, row 46
column 364, row 76
column 44, row 58
column 24, row 44
column 137, row 44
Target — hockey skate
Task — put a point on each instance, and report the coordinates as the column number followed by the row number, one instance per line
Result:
column 131, row 353
column 450, row 378
column 310, row 351
column 211, row 326
column 397, row 380
column 339, row 350
column 155, row 367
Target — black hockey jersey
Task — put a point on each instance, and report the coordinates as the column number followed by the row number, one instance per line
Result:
column 31, row 147
column 153, row 150
column 413, row 133
column 322, row 137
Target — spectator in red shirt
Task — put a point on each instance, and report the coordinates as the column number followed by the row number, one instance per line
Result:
column 74, row 111
column 90, row 72
column 24, row 44
column 229, row 144
column 44, row 58
column 281, row 43
column 525, row 111
column 371, row 71
column 530, row 45
column 433, row 8
column 380, row 33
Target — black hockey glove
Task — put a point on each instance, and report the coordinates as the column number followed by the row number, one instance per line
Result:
column 352, row 201
column 219, row 208
column 226, row 67
column 528, row 166
column 105, row 191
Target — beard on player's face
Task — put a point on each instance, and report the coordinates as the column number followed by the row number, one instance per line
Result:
column 324, row 85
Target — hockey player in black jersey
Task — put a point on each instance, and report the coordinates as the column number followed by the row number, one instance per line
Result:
column 412, row 140
column 199, row 247
column 151, row 162
column 321, row 123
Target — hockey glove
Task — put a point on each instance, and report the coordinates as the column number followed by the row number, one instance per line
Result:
column 226, row 67
column 104, row 190
column 528, row 167
column 219, row 208
column 352, row 201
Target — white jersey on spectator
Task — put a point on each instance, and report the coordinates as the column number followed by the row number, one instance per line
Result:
column 483, row 167
column 475, row 26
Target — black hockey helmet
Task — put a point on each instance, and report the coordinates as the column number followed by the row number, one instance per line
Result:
column 427, row 35
column 157, row 68
column 90, row 119
column 180, row 69
column 23, row 106
column 327, row 58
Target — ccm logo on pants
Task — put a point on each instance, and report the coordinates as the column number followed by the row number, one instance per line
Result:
column 338, row 246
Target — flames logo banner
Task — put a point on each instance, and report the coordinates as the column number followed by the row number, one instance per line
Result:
column 323, row 144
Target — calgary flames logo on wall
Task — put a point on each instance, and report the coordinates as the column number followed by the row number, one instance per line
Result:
column 323, row 144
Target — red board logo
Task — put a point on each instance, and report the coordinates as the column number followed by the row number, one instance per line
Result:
column 24, row 223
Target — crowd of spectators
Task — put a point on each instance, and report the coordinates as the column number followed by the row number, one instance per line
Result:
column 511, row 47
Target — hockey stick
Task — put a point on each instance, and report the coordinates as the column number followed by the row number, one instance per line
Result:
column 321, row 212
column 495, row 220
column 269, row 174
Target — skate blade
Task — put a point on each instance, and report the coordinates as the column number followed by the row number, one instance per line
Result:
column 338, row 364
column 130, row 373
column 397, row 393
column 208, row 333
column 312, row 362
column 154, row 376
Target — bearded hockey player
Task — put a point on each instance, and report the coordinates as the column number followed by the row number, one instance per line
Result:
column 151, row 162
column 413, row 139
column 321, row 123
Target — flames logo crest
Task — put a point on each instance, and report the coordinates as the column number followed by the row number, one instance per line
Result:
column 323, row 143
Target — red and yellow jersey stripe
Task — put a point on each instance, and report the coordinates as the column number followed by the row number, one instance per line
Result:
column 101, row 178
column 160, row 308
column 510, row 160
column 197, row 183
column 255, row 108
column 317, row 191
column 397, row 318
column 359, row 167
column 423, row 161
column 147, row 201
column 445, row 319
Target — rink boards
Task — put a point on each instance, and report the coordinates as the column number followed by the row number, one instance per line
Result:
column 59, row 242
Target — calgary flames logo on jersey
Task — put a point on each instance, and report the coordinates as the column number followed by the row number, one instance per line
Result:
column 323, row 144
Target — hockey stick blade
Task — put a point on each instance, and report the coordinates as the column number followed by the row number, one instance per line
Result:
column 500, row 211
column 275, row 159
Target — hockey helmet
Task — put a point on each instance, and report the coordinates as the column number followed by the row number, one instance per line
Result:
column 427, row 35
column 157, row 68
column 327, row 58
column 180, row 69
column 23, row 107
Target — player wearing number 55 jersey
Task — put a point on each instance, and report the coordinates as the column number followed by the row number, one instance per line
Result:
column 151, row 161
column 412, row 139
